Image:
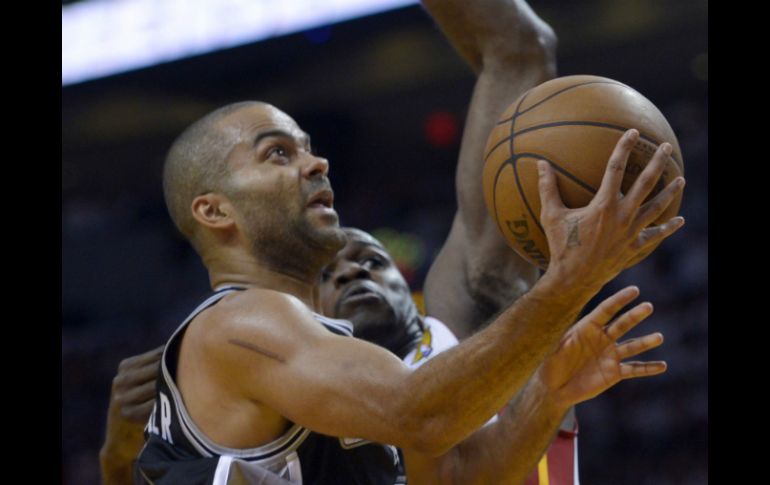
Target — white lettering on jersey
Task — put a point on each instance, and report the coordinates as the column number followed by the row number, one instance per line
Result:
column 151, row 428
column 165, row 418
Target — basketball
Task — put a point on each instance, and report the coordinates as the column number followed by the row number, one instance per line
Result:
column 573, row 123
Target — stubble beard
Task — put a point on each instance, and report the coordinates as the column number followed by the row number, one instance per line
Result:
column 288, row 241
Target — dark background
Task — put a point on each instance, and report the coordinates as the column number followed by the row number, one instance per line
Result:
column 365, row 90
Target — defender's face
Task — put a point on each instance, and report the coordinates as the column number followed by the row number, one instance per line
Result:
column 364, row 285
column 278, row 186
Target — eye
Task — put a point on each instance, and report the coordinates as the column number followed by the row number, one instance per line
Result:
column 373, row 262
column 277, row 151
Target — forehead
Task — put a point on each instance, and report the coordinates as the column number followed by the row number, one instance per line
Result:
column 358, row 238
column 245, row 123
column 357, row 242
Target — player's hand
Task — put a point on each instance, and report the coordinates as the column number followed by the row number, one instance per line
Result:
column 131, row 401
column 588, row 360
column 590, row 245
column 133, row 388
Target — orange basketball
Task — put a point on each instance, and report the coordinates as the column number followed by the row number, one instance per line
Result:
column 573, row 123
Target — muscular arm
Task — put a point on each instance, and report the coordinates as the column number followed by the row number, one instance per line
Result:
column 586, row 362
column 266, row 347
column 511, row 50
column 476, row 273
column 503, row 452
column 351, row 388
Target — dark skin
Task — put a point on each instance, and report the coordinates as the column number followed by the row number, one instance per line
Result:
column 511, row 50
column 131, row 400
column 364, row 285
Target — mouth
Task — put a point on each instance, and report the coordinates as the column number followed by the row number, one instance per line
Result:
column 323, row 199
column 356, row 291
column 356, row 296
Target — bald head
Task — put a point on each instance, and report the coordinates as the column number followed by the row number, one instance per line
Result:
column 355, row 234
column 196, row 164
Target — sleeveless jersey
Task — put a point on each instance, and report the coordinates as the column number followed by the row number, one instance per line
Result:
column 559, row 465
column 178, row 452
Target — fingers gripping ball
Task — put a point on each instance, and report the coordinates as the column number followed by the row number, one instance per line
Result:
column 573, row 123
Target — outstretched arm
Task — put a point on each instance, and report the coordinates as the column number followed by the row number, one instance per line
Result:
column 131, row 401
column 271, row 349
column 511, row 50
column 586, row 362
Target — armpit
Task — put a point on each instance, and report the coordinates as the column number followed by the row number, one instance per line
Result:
column 495, row 288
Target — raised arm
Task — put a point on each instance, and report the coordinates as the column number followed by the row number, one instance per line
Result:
column 511, row 50
column 354, row 389
column 273, row 350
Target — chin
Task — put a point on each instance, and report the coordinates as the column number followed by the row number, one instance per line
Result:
column 376, row 332
column 334, row 237
column 368, row 318
column 328, row 237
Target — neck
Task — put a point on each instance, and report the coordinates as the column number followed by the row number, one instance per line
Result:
column 410, row 338
column 250, row 272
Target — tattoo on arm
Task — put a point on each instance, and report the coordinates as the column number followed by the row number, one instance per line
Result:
column 257, row 349
column 572, row 236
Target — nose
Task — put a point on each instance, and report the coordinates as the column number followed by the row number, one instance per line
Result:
column 349, row 272
column 315, row 167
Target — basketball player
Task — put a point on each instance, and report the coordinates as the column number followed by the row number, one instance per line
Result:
column 363, row 285
column 255, row 367
column 225, row 228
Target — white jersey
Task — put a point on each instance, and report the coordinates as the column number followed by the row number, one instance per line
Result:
column 559, row 466
column 435, row 339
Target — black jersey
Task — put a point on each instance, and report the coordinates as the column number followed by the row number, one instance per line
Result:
column 178, row 452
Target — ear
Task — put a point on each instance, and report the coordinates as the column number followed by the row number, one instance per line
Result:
column 213, row 210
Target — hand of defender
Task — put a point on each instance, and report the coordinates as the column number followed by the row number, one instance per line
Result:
column 131, row 401
column 588, row 360
column 133, row 388
column 589, row 246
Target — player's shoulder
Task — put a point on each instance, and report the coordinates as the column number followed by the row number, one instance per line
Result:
column 256, row 313
column 261, row 302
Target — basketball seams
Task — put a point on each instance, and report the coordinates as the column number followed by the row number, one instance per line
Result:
column 508, row 138
column 510, row 160
column 492, row 150
column 556, row 167
column 494, row 191
column 512, row 164
column 600, row 124
column 566, row 123
column 512, row 203
column 514, row 161
column 561, row 170
column 524, row 198
column 552, row 95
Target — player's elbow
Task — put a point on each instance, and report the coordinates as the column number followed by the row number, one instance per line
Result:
column 532, row 50
column 426, row 435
